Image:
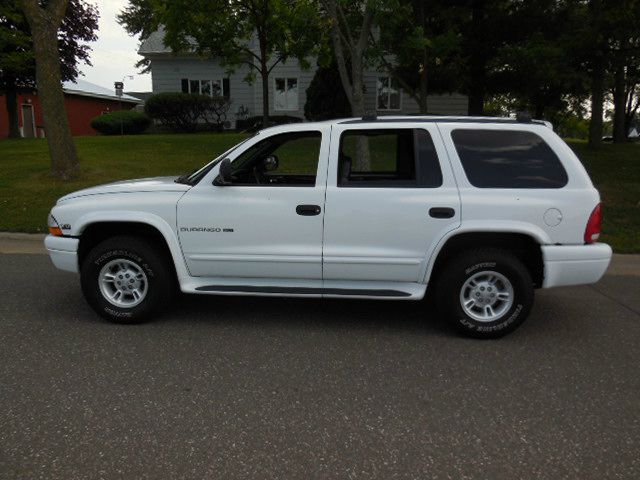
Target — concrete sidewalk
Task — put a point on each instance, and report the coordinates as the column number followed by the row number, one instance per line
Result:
column 34, row 243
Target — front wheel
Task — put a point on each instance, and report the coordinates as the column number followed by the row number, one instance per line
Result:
column 125, row 279
column 485, row 293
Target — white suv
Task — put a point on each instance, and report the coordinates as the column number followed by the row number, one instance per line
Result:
column 482, row 210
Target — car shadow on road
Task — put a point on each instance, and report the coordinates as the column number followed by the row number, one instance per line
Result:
column 408, row 316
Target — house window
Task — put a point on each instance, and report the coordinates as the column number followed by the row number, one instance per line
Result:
column 212, row 88
column 286, row 94
column 388, row 93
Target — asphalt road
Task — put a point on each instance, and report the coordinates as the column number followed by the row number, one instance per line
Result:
column 223, row 388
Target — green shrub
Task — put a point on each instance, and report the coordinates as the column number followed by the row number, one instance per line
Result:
column 129, row 122
column 326, row 99
column 181, row 112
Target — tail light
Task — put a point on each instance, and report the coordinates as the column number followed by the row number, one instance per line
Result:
column 594, row 225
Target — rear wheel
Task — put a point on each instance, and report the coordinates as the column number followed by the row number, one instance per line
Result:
column 125, row 279
column 485, row 293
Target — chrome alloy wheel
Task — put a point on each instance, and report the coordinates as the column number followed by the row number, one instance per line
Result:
column 486, row 296
column 123, row 283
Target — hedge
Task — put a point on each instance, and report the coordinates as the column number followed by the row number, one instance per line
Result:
column 130, row 122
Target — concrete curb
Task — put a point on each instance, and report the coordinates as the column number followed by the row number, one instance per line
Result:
column 22, row 236
column 22, row 242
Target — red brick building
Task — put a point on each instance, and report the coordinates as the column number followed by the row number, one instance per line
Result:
column 83, row 101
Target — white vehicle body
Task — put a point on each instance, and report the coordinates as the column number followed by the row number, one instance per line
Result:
column 364, row 242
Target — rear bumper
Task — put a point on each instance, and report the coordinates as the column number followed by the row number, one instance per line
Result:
column 574, row 264
column 63, row 252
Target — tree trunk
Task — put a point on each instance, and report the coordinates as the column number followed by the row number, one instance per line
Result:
column 597, row 101
column 620, row 104
column 597, row 78
column 478, row 63
column 265, row 97
column 44, row 23
column 357, row 96
column 424, row 85
column 12, row 108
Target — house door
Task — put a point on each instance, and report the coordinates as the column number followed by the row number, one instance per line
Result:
column 28, row 123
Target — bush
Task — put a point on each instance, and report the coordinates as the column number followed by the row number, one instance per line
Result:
column 130, row 122
column 326, row 99
column 253, row 124
column 181, row 112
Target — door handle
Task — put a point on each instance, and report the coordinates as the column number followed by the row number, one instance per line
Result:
column 308, row 210
column 442, row 212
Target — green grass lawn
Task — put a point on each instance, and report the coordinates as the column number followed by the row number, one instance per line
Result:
column 27, row 192
column 615, row 171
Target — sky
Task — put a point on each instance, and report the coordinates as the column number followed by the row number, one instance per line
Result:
column 114, row 54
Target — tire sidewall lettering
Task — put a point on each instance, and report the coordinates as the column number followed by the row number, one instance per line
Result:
column 102, row 259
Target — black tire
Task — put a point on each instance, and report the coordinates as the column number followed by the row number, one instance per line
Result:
column 464, row 266
column 158, row 278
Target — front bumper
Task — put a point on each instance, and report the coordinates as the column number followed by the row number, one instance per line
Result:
column 63, row 252
column 574, row 264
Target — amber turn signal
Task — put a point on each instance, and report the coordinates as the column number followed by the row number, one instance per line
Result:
column 55, row 231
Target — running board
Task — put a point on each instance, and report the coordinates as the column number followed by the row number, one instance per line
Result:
column 350, row 292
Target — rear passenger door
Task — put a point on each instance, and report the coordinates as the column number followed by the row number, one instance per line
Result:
column 390, row 197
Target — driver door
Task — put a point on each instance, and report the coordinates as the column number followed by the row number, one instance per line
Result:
column 267, row 223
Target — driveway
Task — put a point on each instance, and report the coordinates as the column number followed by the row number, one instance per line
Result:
column 230, row 387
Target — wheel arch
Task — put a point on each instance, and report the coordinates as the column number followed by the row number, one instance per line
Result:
column 526, row 245
column 94, row 230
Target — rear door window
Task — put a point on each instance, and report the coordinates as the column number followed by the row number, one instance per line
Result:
column 388, row 158
column 508, row 159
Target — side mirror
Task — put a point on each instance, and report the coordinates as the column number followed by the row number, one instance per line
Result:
column 270, row 163
column 224, row 174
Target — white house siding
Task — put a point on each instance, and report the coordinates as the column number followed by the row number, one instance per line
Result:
column 290, row 69
column 167, row 72
column 446, row 104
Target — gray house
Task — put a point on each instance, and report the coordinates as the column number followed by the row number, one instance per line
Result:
column 190, row 73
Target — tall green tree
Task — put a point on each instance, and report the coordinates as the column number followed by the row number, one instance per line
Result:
column 17, row 64
column 257, row 33
column 350, row 24
column 419, row 44
column 53, row 35
column 624, row 21
column 539, row 63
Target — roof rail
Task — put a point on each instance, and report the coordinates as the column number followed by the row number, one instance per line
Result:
column 370, row 117
column 523, row 117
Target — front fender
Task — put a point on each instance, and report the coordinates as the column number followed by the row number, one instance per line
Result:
column 153, row 220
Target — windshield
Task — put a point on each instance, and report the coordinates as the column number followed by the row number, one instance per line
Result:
column 195, row 176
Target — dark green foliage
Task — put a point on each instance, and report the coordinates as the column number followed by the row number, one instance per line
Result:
column 253, row 124
column 129, row 122
column 181, row 112
column 326, row 98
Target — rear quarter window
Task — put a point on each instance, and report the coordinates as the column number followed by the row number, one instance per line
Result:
column 508, row 159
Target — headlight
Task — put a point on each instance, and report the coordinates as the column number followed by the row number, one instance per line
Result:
column 54, row 228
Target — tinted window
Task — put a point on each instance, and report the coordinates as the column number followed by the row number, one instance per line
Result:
column 508, row 159
column 388, row 158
